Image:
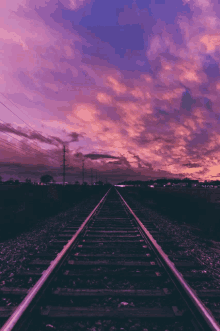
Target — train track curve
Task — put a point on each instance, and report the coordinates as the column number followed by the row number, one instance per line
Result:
column 110, row 274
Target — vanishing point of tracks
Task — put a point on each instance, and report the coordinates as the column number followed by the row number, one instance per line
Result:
column 110, row 274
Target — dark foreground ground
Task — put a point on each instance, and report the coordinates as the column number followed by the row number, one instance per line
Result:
column 15, row 251
column 23, row 206
column 181, row 206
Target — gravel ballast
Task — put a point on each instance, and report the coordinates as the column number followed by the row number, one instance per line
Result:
column 15, row 252
column 192, row 244
column 203, row 249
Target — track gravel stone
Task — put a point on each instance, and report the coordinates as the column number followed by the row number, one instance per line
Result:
column 183, row 234
column 43, row 234
column 15, row 252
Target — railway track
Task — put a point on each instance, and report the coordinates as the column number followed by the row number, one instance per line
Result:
column 110, row 274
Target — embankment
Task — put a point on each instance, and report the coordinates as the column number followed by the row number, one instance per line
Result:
column 181, row 205
column 23, row 205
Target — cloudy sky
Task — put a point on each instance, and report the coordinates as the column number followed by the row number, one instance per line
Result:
column 131, row 87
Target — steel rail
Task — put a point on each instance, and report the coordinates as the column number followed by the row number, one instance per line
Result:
column 206, row 314
column 23, row 306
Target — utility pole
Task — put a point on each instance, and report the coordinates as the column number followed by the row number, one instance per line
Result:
column 96, row 175
column 83, row 171
column 91, row 177
column 64, row 151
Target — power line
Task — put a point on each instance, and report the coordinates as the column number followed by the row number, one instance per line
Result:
column 21, row 149
column 34, row 130
column 16, row 138
column 15, row 115
column 14, row 148
column 12, row 138
column 19, row 118
column 36, row 150
column 15, row 105
column 9, row 144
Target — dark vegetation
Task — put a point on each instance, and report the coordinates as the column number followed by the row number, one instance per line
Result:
column 23, row 205
column 171, row 181
column 180, row 206
column 159, row 182
column 46, row 179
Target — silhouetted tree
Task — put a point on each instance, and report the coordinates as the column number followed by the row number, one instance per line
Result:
column 16, row 182
column 10, row 181
column 46, row 179
column 28, row 181
column 76, row 182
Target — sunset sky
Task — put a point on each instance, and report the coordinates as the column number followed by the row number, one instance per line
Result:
column 131, row 87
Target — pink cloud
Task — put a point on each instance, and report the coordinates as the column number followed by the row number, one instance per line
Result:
column 151, row 122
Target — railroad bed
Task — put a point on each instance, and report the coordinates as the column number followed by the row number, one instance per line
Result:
column 108, row 272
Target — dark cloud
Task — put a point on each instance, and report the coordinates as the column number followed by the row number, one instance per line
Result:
column 100, row 156
column 109, row 113
column 150, row 135
column 141, row 163
column 192, row 165
column 78, row 155
column 138, row 159
column 115, row 162
column 129, row 98
column 211, row 67
column 74, row 136
column 23, row 100
column 169, row 56
column 31, row 136
column 128, row 37
column 57, row 139
column 208, row 103
column 199, row 138
column 148, row 165
column 27, row 81
column 163, row 116
column 65, row 78
column 21, row 169
column 8, row 128
column 8, row 165
column 41, row 138
column 187, row 101
column 125, row 162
